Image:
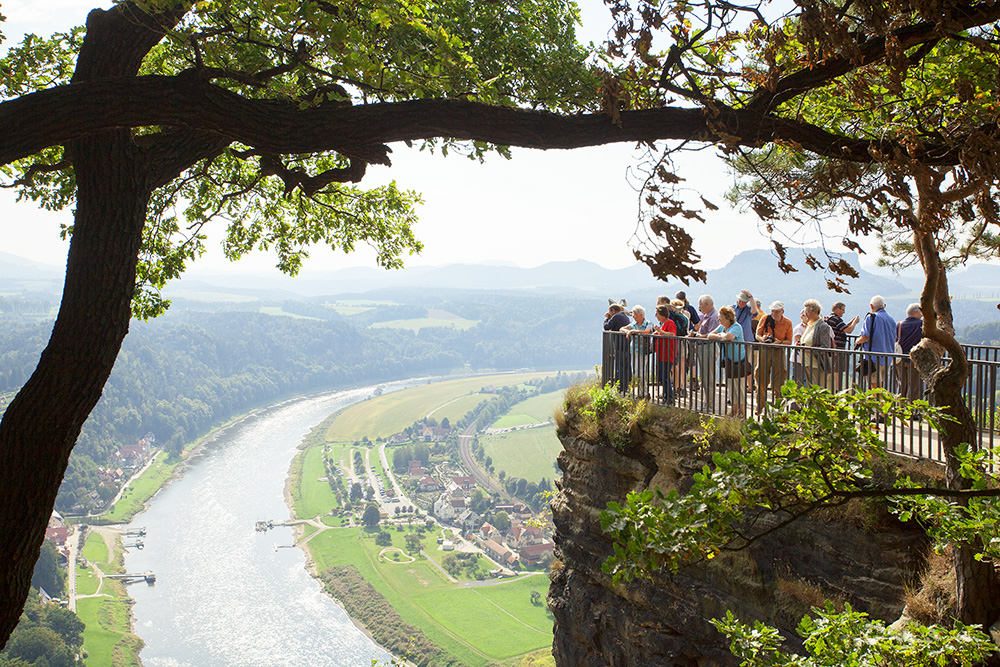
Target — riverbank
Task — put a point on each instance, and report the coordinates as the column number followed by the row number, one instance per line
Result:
column 465, row 621
column 102, row 603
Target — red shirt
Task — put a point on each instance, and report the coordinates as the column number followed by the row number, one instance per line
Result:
column 666, row 346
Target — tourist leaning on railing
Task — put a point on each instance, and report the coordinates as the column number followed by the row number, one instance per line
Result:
column 733, row 359
column 614, row 320
column 841, row 330
column 797, row 374
column 775, row 329
column 685, row 358
column 817, row 365
column 708, row 323
column 878, row 334
column 908, row 333
column 666, row 350
column 639, row 346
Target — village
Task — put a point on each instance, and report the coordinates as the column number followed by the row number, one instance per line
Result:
column 436, row 485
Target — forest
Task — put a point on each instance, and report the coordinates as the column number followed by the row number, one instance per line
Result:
column 187, row 372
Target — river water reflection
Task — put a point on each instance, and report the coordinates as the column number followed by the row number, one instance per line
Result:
column 226, row 595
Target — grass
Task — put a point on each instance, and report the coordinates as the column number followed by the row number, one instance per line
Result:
column 382, row 416
column 87, row 582
column 218, row 297
column 540, row 659
column 457, row 408
column 418, row 323
column 107, row 637
column 535, row 410
column 95, row 549
column 313, row 497
column 276, row 310
column 141, row 489
column 475, row 625
column 530, row 453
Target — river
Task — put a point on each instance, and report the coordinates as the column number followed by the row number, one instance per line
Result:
column 224, row 594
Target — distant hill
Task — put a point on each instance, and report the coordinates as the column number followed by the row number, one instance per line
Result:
column 18, row 275
column 756, row 270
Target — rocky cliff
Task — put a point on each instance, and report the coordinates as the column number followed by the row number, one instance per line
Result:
column 860, row 556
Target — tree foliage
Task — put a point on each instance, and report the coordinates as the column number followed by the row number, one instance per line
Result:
column 371, row 515
column 851, row 638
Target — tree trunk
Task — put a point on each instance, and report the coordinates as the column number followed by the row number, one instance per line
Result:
column 977, row 591
column 43, row 421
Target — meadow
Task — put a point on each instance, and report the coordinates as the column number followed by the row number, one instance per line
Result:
column 529, row 453
column 476, row 625
column 382, row 416
column 313, row 497
column 418, row 323
column 107, row 638
column 535, row 410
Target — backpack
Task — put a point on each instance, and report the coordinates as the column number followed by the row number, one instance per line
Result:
column 681, row 322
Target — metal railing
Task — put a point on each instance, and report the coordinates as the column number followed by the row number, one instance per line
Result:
column 704, row 376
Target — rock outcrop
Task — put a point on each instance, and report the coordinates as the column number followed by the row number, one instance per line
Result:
column 857, row 557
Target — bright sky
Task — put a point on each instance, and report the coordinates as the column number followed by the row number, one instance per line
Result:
column 541, row 206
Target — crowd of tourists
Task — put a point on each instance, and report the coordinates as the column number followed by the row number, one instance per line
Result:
column 683, row 349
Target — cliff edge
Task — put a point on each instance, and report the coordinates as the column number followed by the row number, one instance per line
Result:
column 860, row 555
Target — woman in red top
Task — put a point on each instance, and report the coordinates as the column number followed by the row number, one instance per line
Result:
column 666, row 349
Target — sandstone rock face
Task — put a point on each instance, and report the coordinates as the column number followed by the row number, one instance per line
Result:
column 666, row 621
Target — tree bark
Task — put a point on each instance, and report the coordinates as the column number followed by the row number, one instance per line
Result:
column 43, row 421
column 977, row 590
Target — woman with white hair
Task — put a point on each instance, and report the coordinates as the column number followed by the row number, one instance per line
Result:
column 816, row 366
column 640, row 345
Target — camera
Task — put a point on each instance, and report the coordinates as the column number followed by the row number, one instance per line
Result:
column 769, row 338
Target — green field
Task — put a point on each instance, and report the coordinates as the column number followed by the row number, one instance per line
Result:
column 276, row 310
column 95, row 549
column 382, row 416
column 313, row 497
column 456, row 409
column 419, row 323
column 476, row 625
column 107, row 638
column 529, row 453
column 535, row 410
column 218, row 297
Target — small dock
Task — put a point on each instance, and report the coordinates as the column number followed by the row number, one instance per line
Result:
column 129, row 578
column 264, row 526
column 136, row 532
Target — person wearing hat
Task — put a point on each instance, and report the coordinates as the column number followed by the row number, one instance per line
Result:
column 775, row 329
column 747, row 314
column 745, row 309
